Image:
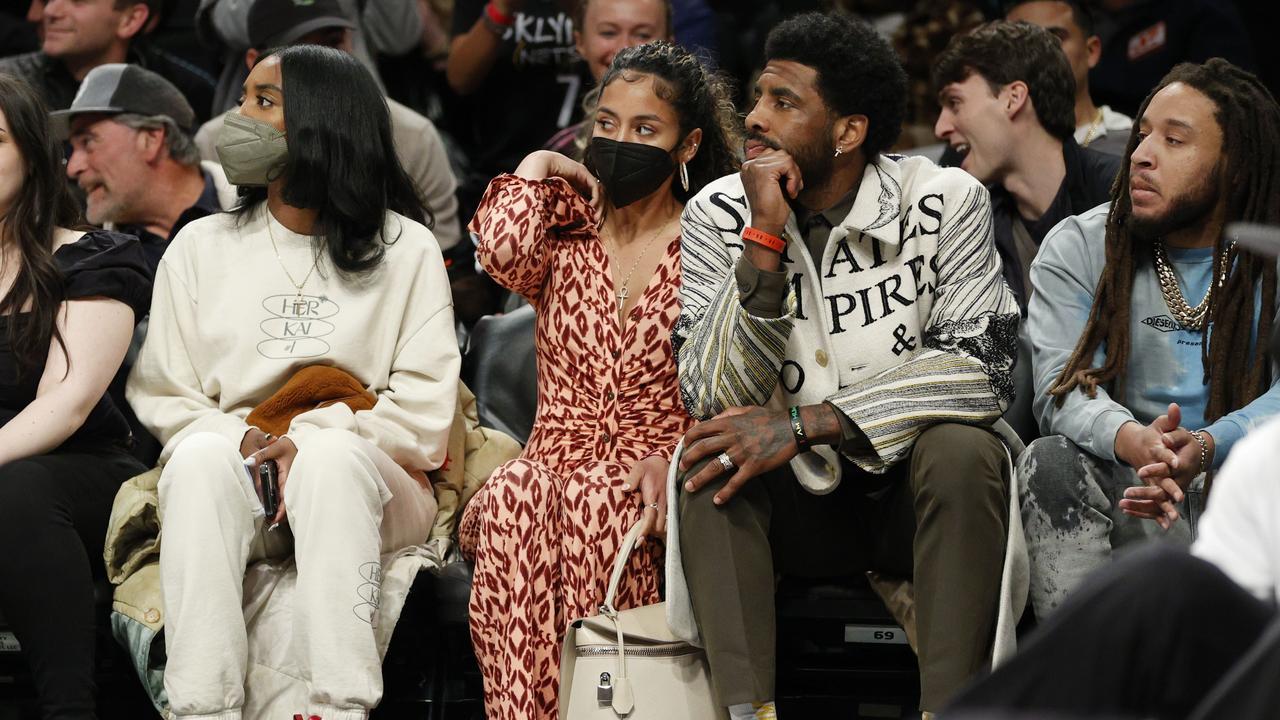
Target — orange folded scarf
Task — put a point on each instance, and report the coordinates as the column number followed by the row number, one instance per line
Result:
column 310, row 388
column 314, row 387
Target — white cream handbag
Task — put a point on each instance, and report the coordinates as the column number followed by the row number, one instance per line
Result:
column 629, row 665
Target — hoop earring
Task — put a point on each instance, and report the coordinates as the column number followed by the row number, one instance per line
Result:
column 684, row 176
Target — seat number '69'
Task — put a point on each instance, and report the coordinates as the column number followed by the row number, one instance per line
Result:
column 875, row 634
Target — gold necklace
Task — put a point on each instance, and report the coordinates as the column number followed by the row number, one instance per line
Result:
column 297, row 298
column 1093, row 129
column 1191, row 318
column 624, row 291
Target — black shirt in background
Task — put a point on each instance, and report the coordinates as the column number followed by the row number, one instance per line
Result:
column 17, row 36
column 153, row 246
column 145, row 446
column 1142, row 43
column 100, row 264
column 1087, row 184
column 58, row 88
column 533, row 90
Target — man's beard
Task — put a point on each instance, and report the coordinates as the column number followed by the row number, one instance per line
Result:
column 103, row 212
column 1184, row 210
column 114, row 207
column 816, row 158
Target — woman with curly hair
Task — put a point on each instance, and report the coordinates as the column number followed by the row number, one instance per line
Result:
column 596, row 250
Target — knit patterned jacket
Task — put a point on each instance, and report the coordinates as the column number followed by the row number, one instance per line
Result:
column 904, row 322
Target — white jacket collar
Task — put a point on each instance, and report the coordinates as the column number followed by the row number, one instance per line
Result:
column 878, row 202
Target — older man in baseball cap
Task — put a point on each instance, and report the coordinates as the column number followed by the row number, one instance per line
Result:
column 133, row 156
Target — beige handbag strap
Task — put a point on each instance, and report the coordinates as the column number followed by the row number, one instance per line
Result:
column 623, row 700
column 620, row 563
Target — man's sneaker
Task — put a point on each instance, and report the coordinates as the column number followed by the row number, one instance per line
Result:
column 766, row 711
column 753, row 711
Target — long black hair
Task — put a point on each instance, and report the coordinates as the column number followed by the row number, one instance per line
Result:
column 342, row 160
column 42, row 205
column 700, row 98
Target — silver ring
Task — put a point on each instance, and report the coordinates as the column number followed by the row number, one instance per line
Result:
column 653, row 505
column 726, row 461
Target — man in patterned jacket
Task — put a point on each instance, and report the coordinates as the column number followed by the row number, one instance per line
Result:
column 843, row 318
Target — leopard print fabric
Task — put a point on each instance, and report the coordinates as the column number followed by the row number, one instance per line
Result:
column 544, row 530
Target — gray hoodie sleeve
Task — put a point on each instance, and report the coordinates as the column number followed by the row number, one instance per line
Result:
column 1063, row 278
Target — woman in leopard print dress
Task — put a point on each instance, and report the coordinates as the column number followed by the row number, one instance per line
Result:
column 598, row 258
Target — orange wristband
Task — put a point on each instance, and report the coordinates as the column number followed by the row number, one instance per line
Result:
column 761, row 237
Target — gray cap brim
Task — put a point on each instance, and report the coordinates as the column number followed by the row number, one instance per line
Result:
column 60, row 120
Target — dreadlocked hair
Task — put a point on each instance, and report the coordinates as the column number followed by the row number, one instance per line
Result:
column 1235, row 371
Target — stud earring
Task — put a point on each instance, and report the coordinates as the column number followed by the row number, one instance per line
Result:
column 684, row 176
column 838, row 151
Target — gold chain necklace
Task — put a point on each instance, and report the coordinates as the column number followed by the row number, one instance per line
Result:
column 1093, row 129
column 1191, row 318
column 296, row 285
column 624, row 291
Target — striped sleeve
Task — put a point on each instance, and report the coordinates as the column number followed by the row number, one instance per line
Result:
column 726, row 356
column 964, row 374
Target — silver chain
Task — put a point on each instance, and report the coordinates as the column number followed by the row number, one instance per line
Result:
column 296, row 285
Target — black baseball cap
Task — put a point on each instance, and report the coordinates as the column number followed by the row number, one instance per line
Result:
column 276, row 23
column 124, row 88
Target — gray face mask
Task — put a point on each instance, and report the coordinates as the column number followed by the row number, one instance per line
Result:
column 251, row 151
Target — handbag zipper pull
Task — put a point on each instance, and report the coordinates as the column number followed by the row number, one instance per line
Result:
column 604, row 689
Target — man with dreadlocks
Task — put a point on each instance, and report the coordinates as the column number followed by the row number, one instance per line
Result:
column 1212, row 647
column 1149, row 329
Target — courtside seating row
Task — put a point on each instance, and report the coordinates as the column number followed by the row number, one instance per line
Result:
column 839, row 649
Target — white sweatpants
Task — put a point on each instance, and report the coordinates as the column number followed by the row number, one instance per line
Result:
column 347, row 503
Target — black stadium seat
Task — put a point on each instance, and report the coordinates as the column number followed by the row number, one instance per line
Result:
column 499, row 367
column 430, row 671
column 430, row 668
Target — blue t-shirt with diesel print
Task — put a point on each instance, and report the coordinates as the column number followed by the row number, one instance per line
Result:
column 1165, row 360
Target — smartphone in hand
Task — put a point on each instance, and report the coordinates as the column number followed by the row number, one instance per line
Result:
column 269, row 487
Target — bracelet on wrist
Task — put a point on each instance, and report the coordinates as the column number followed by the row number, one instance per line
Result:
column 760, row 237
column 1204, row 449
column 797, row 429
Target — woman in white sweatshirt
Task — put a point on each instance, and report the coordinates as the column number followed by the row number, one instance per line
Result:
column 325, row 262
